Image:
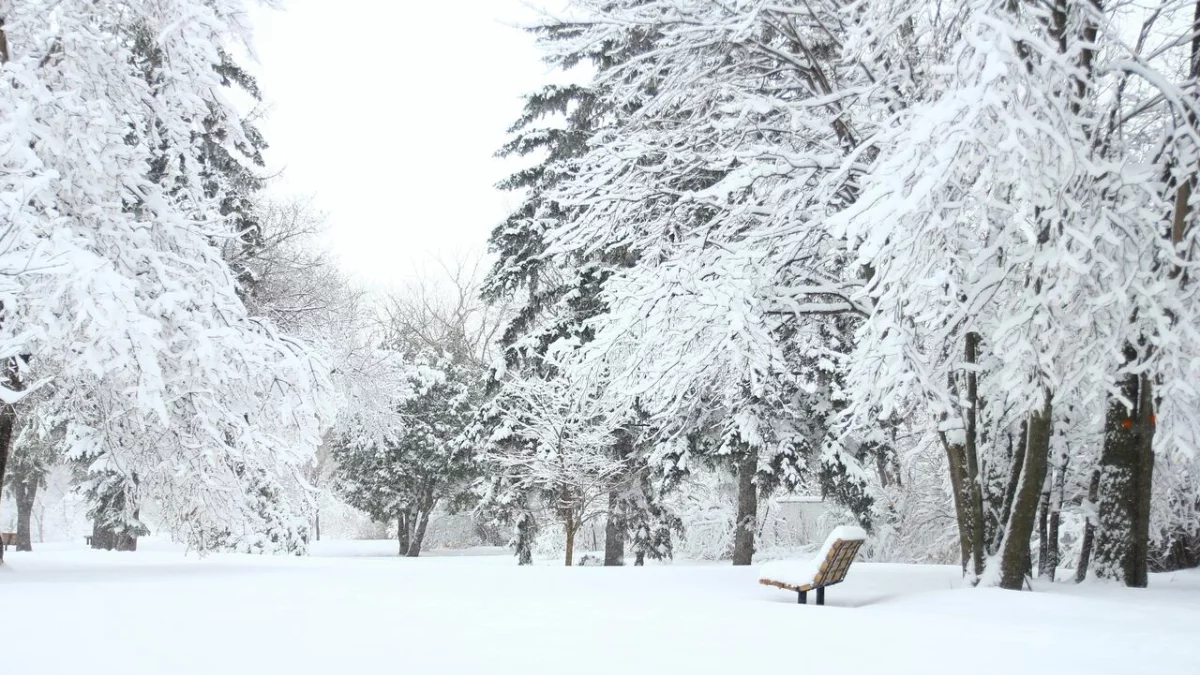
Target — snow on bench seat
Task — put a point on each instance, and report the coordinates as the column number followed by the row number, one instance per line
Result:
column 827, row 568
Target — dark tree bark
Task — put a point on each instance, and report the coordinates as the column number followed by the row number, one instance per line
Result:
column 569, row 528
column 614, row 532
column 1089, row 529
column 1053, row 552
column 954, row 457
column 403, row 534
column 1014, row 561
column 974, row 479
column 1017, row 461
column 526, row 531
column 1126, row 468
column 25, row 494
column 8, row 414
column 1043, row 526
column 956, row 462
column 7, row 420
column 422, row 524
column 747, row 508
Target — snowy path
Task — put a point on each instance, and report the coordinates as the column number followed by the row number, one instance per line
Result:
column 75, row 611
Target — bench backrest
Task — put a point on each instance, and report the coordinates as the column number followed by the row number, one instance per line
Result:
column 9, row 538
column 837, row 562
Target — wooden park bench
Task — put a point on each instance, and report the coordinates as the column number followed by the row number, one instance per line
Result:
column 8, row 539
column 829, row 567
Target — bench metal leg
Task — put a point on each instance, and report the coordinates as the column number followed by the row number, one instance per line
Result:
column 803, row 599
column 821, row 595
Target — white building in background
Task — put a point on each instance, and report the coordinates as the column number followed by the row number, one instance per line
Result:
column 794, row 521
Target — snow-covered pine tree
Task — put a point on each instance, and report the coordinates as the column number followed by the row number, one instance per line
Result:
column 421, row 462
column 719, row 323
column 556, row 295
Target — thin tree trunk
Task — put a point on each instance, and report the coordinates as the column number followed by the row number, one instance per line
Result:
column 747, row 508
column 8, row 414
column 1014, row 560
column 1089, row 528
column 975, row 480
column 26, row 494
column 570, row 527
column 954, row 460
column 1145, row 487
column 1043, row 526
column 1057, row 494
column 614, row 532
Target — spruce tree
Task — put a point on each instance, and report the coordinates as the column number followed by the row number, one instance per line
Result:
column 556, row 298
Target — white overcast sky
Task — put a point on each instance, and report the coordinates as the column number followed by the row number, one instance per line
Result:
column 388, row 112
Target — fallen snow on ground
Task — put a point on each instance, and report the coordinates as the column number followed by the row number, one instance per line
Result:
column 355, row 608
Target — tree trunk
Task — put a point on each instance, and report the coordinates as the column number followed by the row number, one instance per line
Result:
column 8, row 418
column 1057, row 494
column 1014, row 560
column 1089, row 528
column 614, row 532
column 526, row 531
column 1014, row 481
column 418, row 535
column 975, row 480
column 954, row 459
column 1126, row 467
column 570, row 527
column 1043, row 526
column 402, row 526
column 747, row 508
column 26, row 494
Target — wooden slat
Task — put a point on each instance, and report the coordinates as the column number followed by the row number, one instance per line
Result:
column 786, row 587
column 837, row 563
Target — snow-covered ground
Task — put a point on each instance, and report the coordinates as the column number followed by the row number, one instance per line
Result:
column 354, row 608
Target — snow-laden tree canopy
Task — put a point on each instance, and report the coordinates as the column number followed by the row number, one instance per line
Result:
column 114, row 285
column 847, row 235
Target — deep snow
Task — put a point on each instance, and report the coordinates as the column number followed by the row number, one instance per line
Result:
column 354, row 608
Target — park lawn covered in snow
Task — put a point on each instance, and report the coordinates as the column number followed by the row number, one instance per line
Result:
column 353, row 608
